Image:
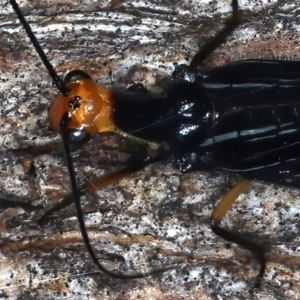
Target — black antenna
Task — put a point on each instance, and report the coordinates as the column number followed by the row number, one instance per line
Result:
column 210, row 46
column 76, row 194
column 57, row 81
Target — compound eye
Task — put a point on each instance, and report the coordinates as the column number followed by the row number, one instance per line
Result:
column 76, row 75
column 78, row 137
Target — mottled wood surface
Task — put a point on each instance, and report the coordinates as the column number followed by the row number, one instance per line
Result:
column 157, row 217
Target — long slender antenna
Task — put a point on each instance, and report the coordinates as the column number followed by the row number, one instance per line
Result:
column 63, row 125
column 216, row 41
column 57, row 80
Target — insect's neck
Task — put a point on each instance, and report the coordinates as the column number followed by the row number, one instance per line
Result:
column 143, row 116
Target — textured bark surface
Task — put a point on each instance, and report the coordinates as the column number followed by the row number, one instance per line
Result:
column 156, row 217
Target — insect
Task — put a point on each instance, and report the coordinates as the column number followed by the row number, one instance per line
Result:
column 227, row 130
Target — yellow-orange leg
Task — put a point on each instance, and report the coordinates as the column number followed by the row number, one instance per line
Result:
column 91, row 187
column 218, row 214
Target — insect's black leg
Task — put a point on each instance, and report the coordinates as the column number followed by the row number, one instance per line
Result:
column 219, row 213
column 91, row 187
column 53, row 147
column 9, row 201
column 217, row 40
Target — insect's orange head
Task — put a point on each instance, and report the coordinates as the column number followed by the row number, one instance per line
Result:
column 89, row 106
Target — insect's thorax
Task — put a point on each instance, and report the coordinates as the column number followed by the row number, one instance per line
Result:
column 175, row 120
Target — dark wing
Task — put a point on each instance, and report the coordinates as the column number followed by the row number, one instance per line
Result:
column 256, row 116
